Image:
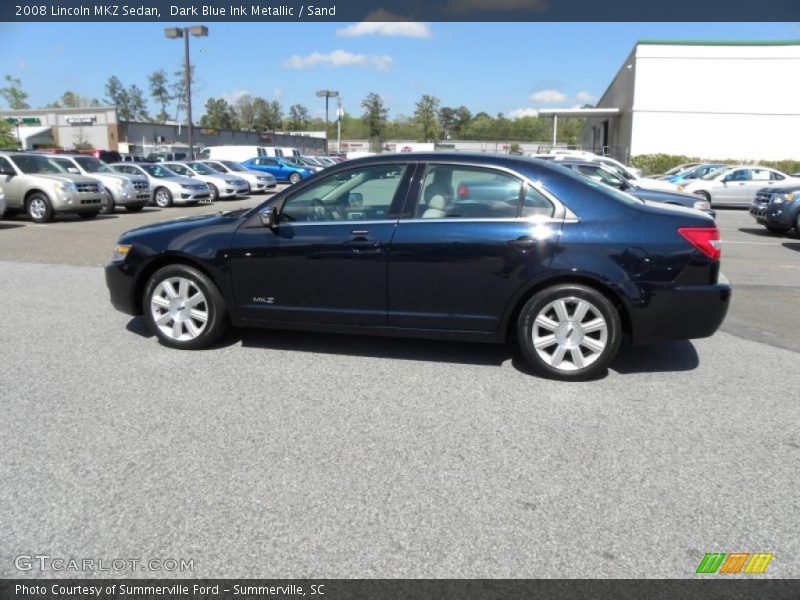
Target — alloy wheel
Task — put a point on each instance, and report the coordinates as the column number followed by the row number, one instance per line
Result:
column 569, row 333
column 162, row 198
column 179, row 308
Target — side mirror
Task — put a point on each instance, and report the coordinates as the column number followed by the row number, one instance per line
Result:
column 269, row 217
column 623, row 185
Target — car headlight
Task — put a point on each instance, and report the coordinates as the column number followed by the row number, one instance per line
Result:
column 66, row 186
column 127, row 184
column 785, row 198
column 702, row 205
column 120, row 252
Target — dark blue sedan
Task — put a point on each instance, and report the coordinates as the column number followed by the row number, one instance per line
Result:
column 446, row 246
column 279, row 168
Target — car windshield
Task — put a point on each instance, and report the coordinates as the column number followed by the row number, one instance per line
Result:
column 613, row 192
column 31, row 164
column 716, row 172
column 233, row 166
column 92, row 165
column 158, row 171
column 201, row 168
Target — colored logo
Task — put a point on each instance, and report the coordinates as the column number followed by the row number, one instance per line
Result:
column 734, row 562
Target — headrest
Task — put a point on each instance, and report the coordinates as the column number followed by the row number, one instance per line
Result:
column 438, row 202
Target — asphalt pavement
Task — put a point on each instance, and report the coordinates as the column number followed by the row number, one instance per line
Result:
column 289, row 454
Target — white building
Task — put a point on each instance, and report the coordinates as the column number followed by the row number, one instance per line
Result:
column 713, row 100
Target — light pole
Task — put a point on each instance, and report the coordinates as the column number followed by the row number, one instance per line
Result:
column 17, row 123
column 339, row 113
column 327, row 94
column 184, row 32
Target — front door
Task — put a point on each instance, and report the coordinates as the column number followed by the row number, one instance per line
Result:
column 325, row 262
column 473, row 238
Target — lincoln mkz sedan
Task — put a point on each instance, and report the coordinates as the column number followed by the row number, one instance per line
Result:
column 447, row 246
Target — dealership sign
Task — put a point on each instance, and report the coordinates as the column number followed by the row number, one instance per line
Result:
column 81, row 119
column 23, row 120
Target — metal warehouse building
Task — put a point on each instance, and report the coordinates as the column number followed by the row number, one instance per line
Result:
column 715, row 100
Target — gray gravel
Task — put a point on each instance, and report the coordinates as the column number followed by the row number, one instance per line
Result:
column 293, row 454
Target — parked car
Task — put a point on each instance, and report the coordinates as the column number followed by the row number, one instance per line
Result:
column 168, row 187
column 221, row 185
column 737, row 185
column 278, row 168
column 603, row 174
column 679, row 169
column 616, row 166
column 107, row 156
column 325, row 161
column 354, row 251
column 778, row 209
column 696, row 172
column 304, row 162
column 258, row 182
column 130, row 191
column 132, row 158
column 34, row 184
column 166, row 156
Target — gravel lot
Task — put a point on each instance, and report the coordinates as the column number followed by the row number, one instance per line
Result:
column 294, row 454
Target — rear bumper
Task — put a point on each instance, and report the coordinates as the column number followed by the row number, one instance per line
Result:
column 681, row 312
column 121, row 281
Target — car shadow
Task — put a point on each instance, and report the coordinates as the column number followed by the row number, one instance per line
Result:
column 657, row 358
column 11, row 225
column 792, row 246
column 764, row 232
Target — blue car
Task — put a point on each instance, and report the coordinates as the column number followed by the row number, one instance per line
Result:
column 689, row 175
column 280, row 169
column 436, row 245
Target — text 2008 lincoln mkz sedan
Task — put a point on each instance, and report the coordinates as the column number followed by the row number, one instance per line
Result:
column 449, row 246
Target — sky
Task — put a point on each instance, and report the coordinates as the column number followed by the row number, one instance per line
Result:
column 491, row 67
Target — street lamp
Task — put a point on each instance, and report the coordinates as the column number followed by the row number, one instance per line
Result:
column 327, row 94
column 184, row 32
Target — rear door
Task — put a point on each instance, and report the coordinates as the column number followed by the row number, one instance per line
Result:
column 469, row 238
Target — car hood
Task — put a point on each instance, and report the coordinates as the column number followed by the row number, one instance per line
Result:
column 183, row 224
column 180, row 180
column 65, row 177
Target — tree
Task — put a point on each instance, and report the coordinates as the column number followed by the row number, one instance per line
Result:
column 426, row 115
column 159, row 91
column 463, row 120
column 7, row 138
column 298, row 117
column 179, row 89
column 137, row 104
column 13, row 94
column 267, row 114
column 448, row 120
column 375, row 115
column 245, row 112
column 219, row 115
column 117, row 95
column 70, row 99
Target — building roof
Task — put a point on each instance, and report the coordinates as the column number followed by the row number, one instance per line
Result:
column 656, row 42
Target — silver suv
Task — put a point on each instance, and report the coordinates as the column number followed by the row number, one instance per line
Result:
column 131, row 191
column 38, row 186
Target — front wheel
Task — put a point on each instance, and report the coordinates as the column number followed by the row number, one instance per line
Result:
column 184, row 308
column 569, row 332
column 163, row 197
column 39, row 208
column 214, row 192
column 294, row 178
column 107, row 205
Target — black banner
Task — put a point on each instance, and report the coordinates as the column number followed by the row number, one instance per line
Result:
column 397, row 589
column 399, row 10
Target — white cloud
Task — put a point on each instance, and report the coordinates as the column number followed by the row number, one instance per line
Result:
column 468, row 6
column 382, row 22
column 584, row 97
column 548, row 96
column 339, row 58
column 518, row 113
column 234, row 96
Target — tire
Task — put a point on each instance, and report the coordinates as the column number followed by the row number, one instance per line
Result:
column 705, row 196
column 549, row 315
column 214, row 192
column 86, row 216
column 176, row 322
column 294, row 178
column 39, row 208
column 797, row 224
column 134, row 208
column 162, row 197
column 107, row 205
column 773, row 229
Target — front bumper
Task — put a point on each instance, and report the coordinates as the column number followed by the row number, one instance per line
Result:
column 191, row 197
column 138, row 198
column 230, row 191
column 680, row 312
column 121, row 281
column 771, row 215
column 79, row 202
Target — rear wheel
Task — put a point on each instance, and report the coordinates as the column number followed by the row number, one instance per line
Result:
column 39, row 209
column 184, row 308
column 773, row 229
column 294, row 178
column 162, row 197
column 107, row 205
column 569, row 332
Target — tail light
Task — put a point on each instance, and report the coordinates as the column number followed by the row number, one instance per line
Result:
column 705, row 239
column 463, row 192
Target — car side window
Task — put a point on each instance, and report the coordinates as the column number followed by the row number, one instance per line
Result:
column 740, row 175
column 761, row 175
column 362, row 194
column 536, row 204
column 775, row 176
column 5, row 165
column 453, row 192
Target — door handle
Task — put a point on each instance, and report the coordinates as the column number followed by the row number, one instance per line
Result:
column 363, row 245
column 523, row 242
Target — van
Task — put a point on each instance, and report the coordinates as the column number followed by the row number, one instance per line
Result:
column 234, row 153
column 278, row 151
